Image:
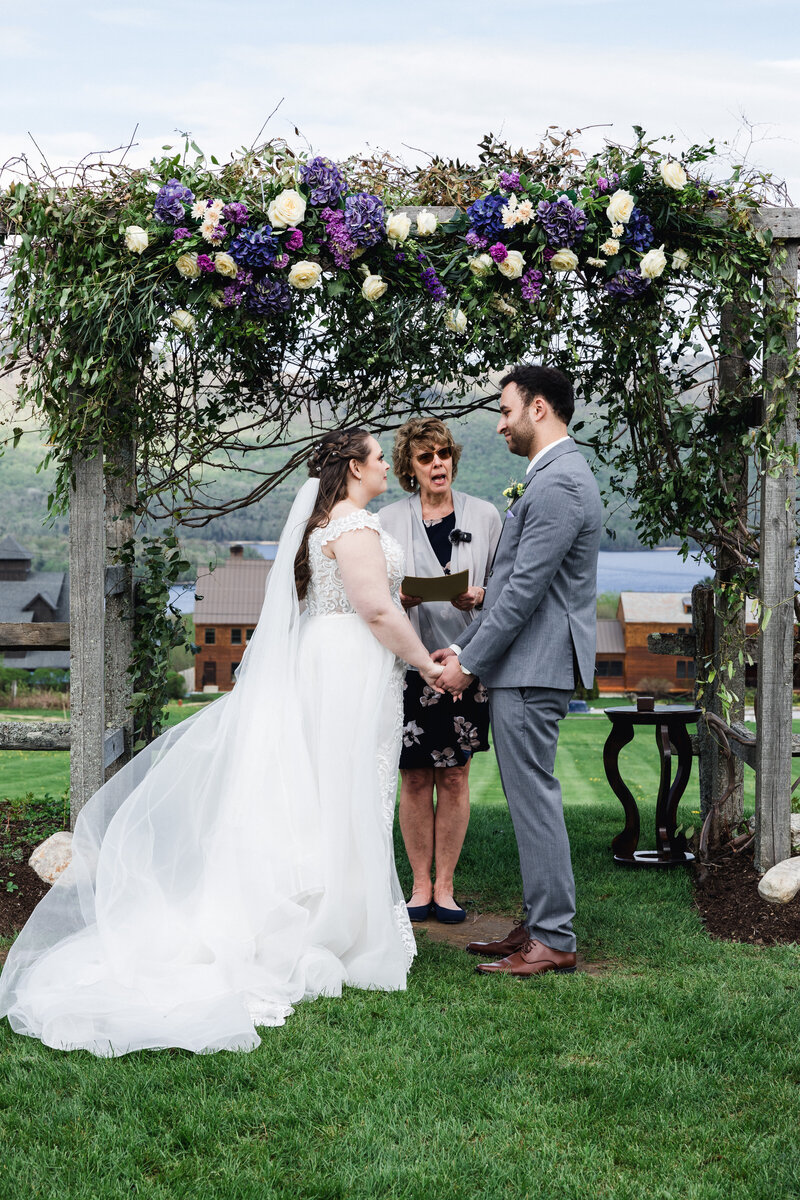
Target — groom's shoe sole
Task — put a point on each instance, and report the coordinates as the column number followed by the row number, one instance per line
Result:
column 535, row 958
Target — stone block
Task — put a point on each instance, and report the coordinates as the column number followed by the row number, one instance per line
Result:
column 51, row 858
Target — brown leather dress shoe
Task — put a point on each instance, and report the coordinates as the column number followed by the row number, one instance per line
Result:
column 514, row 940
column 534, row 958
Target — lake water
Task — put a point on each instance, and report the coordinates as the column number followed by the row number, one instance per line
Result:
column 617, row 571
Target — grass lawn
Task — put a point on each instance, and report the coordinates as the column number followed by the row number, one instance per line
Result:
column 672, row 1075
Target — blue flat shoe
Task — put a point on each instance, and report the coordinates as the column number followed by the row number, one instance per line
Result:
column 420, row 912
column 449, row 916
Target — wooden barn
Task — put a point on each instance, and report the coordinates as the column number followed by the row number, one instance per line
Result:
column 225, row 618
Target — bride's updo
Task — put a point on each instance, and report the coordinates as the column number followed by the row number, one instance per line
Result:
column 328, row 462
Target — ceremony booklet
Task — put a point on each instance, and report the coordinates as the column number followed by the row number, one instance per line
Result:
column 436, row 587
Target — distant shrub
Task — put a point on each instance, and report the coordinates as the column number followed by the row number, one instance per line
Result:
column 654, row 685
column 176, row 686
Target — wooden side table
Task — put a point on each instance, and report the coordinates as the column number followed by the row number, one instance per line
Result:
column 670, row 722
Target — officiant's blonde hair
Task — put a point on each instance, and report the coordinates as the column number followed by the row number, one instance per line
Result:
column 420, row 433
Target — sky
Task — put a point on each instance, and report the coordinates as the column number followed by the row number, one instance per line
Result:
column 416, row 77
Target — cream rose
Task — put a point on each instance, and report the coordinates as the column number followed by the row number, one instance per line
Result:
column 499, row 305
column 481, row 265
column 680, row 260
column 673, row 174
column 653, row 263
column 136, row 239
column 455, row 320
column 610, row 246
column 183, row 320
column 512, row 265
column 620, row 207
column 398, row 227
column 217, row 300
column 225, row 265
column 288, row 208
column 426, row 223
column 564, row 260
column 596, row 262
column 305, row 275
column 187, row 266
column 373, row 287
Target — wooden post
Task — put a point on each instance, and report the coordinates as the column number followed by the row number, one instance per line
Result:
column 120, row 487
column 774, row 746
column 86, row 573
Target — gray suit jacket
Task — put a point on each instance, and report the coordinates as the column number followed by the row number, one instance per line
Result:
column 541, row 595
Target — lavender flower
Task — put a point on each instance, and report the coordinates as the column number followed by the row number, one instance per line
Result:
column 639, row 231
column 295, row 240
column 254, row 248
column 711, row 194
column 324, row 180
column 499, row 252
column 267, row 296
column 205, row 263
column 364, row 217
column 170, row 201
column 627, row 285
column 400, row 256
column 561, row 221
column 486, row 216
column 548, row 253
column 509, row 180
column 433, row 284
column 181, row 233
column 531, row 285
column 475, row 239
column 604, row 185
column 236, row 213
column 234, row 293
column 339, row 240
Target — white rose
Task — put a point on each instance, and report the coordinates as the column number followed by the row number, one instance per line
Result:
column 481, row 265
column 398, row 226
column 499, row 305
column 680, row 260
column 374, row 286
column 564, row 260
column 288, row 208
column 456, row 320
column 610, row 246
column 426, row 223
column 620, row 207
column 596, row 262
column 512, row 265
column 136, row 239
column 673, row 174
column 225, row 265
column 183, row 320
column 305, row 275
column 653, row 263
column 187, row 266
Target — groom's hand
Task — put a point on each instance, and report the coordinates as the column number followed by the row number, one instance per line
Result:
column 452, row 678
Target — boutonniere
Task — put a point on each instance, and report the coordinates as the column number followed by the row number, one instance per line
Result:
column 513, row 492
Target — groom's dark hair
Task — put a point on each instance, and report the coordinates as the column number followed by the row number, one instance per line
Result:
column 548, row 382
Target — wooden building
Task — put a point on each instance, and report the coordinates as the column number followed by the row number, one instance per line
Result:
column 30, row 596
column 225, row 618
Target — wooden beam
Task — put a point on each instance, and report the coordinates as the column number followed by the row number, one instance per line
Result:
column 34, row 635
column 34, row 735
column 776, row 586
column 443, row 212
column 120, row 489
column 87, row 578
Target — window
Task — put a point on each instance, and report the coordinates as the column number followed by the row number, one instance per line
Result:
column 684, row 670
column 236, row 637
column 250, row 633
column 234, row 665
column 609, row 667
column 209, row 672
column 210, row 636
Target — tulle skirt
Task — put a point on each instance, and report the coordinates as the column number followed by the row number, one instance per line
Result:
column 241, row 863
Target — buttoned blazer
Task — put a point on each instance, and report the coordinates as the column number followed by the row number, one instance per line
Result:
column 541, row 595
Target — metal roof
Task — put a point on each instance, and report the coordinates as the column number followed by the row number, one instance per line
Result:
column 16, row 596
column 232, row 594
column 610, row 637
column 11, row 551
column 663, row 608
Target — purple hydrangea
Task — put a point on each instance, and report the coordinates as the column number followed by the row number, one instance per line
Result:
column 340, row 243
column 364, row 217
column 170, row 201
column 181, row 233
column 561, row 221
column 295, row 240
column 475, row 239
column 639, row 231
column 531, row 285
column 604, row 185
column 499, row 252
column 486, row 216
column 236, row 213
column 205, row 263
column 433, row 284
column 266, row 296
column 548, row 253
column 234, row 293
column 627, row 284
column 509, row 180
column 324, row 180
column 254, row 248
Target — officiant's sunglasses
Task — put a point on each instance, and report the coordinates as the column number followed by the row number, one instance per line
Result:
column 427, row 456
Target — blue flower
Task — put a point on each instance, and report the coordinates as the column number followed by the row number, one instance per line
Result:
column 170, row 201
column 639, row 231
column 561, row 221
column 254, row 248
column 485, row 216
column 627, row 284
column 364, row 218
column 324, row 180
column 267, row 296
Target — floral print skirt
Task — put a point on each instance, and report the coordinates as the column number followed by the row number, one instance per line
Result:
column 439, row 731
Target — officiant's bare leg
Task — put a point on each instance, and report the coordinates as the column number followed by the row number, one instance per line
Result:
column 417, row 827
column 450, row 828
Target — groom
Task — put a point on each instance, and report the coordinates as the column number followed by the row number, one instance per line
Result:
column 532, row 641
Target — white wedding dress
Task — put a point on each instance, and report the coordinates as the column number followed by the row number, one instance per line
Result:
column 243, row 861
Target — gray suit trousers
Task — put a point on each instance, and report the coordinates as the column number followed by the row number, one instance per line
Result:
column 525, row 732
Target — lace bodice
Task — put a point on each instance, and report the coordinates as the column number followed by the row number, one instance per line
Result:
column 326, row 594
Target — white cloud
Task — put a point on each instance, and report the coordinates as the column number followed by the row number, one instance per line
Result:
column 133, row 18
column 16, row 42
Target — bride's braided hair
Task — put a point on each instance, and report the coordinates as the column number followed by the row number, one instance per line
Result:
column 329, row 462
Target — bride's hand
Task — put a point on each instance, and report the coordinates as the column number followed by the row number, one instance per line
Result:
column 431, row 673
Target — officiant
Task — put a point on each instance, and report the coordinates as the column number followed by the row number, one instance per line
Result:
column 443, row 532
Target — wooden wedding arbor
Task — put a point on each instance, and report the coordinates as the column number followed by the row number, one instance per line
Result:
column 100, row 632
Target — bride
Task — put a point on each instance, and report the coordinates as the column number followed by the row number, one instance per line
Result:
column 243, row 861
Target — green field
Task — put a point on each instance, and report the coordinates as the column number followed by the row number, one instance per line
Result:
column 672, row 1074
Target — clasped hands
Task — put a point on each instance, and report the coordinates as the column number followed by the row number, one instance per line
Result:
column 452, row 678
